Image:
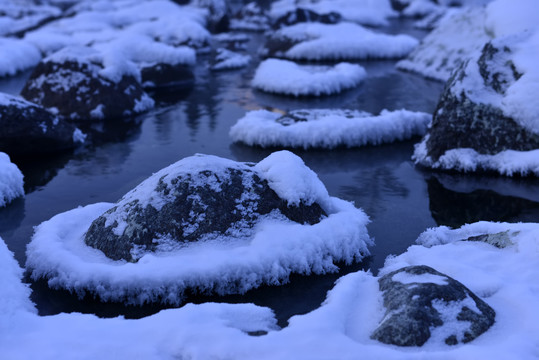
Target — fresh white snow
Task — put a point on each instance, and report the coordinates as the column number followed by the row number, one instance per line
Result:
column 17, row 55
column 277, row 248
column 328, row 128
column 11, row 180
column 342, row 41
column 287, row 77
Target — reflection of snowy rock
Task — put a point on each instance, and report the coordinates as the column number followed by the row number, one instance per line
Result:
column 226, row 60
column 11, row 180
column 459, row 34
column 29, row 129
column 289, row 78
column 204, row 223
column 76, row 83
column 197, row 198
column 420, row 301
column 327, row 128
column 487, row 109
column 317, row 41
column 300, row 15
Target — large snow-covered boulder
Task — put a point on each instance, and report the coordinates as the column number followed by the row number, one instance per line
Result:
column 288, row 78
column 317, row 41
column 205, row 223
column 193, row 200
column 327, row 128
column 29, row 129
column 77, row 84
column 419, row 299
column 11, row 180
column 487, row 109
column 17, row 55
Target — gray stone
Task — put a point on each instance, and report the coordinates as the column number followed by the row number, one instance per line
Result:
column 29, row 129
column 463, row 121
column 419, row 299
column 191, row 205
column 500, row 240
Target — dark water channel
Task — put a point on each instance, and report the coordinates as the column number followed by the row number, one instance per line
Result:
column 401, row 200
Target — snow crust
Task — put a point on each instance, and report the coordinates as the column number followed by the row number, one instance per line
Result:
column 328, row 128
column 342, row 41
column 11, row 180
column 287, row 77
column 277, row 248
column 508, row 162
column 366, row 12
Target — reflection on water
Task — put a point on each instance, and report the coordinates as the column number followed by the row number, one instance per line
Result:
column 382, row 180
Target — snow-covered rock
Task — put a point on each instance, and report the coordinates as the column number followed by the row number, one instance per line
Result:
column 18, row 16
column 317, row 41
column 419, row 299
column 365, row 12
column 259, row 236
column 227, row 60
column 29, row 129
column 17, row 55
column 11, row 183
column 300, row 15
column 288, row 78
column 76, row 82
column 458, row 35
column 250, row 17
column 325, row 128
column 486, row 118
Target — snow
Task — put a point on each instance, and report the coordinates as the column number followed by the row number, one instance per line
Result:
column 508, row 162
column 277, row 248
column 459, row 34
column 328, row 128
column 366, row 12
column 11, row 180
column 20, row 15
column 226, row 59
column 342, row 41
column 17, row 55
column 289, row 78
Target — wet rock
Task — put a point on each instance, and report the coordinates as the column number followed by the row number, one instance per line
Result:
column 305, row 15
column 29, row 129
column 468, row 117
column 422, row 303
column 166, row 76
column 74, row 83
column 197, row 199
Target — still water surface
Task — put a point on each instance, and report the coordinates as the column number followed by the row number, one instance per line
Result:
column 401, row 200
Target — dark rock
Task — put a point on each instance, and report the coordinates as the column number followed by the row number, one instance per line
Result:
column 421, row 300
column 72, row 85
column 219, row 14
column 277, row 45
column 160, row 76
column 305, row 15
column 176, row 206
column 462, row 121
column 29, row 129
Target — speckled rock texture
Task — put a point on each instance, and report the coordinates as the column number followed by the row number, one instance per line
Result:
column 190, row 206
column 422, row 303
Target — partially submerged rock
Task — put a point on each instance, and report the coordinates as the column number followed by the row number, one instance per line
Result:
column 75, row 83
column 29, row 129
column 226, row 60
column 166, row 76
column 422, row 303
column 300, row 15
column 189, row 202
column 486, row 109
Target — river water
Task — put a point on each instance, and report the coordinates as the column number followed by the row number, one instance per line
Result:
column 401, row 200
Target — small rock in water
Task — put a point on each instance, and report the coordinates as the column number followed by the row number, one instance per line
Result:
column 422, row 303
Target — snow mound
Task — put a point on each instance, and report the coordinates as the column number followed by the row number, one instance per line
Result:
column 11, row 180
column 342, row 41
column 458, row 35
column 226, row 60
column 277, row 248
column 289, row 78
column 327, row 128
column 17, row 55
column 366, row 12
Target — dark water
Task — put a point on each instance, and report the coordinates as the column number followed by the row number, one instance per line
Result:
column 401, row 200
